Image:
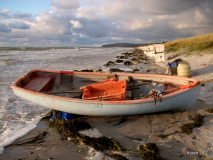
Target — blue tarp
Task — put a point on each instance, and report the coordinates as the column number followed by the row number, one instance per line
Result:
column 63, row 115
column 173, row 64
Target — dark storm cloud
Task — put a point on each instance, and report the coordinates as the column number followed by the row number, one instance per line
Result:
column 4, row 28
column 20, row 15
column 6, row 14
column 19, row 25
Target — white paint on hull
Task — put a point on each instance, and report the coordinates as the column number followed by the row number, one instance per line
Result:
column 182, row 100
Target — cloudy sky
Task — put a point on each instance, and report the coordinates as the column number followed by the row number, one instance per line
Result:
column 95, row 22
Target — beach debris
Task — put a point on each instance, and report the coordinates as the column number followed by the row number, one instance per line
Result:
column 150, row 151
column 119, row 61
column 210, row 110
column 120, row 57
column 97, row 70
column 134, row 62
column 127, row 63
column 127, row 54
column 115, row 70
column 49, row 115
column 86, row 70
column 109, row 63
column 103, row 143
column 135, row 70
column 70, row 130
column 147, row 71
column 37, row 139
column 117, row 156
column 92, row 132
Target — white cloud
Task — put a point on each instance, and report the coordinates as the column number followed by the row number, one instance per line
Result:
column 76, row 24
column 86, row 13
column 65, row 4
column 116, row 38
column 5, row 11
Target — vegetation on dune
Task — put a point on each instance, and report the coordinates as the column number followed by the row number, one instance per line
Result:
column 197, row 44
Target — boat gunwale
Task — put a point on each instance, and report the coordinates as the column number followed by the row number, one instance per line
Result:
column 14, row 86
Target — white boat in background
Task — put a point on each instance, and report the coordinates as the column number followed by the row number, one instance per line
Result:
column 60, row 90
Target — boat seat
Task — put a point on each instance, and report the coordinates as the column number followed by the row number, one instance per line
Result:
column 127, row 78
column 39, row 84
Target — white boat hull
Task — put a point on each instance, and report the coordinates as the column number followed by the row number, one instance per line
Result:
column 179, row 101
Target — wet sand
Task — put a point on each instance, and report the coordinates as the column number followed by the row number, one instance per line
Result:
column 134, row 130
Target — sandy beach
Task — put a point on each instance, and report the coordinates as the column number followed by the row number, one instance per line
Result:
column 134, row 130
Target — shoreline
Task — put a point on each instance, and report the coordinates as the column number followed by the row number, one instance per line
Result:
column 135, row 130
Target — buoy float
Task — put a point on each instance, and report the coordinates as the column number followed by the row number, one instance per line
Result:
column 184, row 69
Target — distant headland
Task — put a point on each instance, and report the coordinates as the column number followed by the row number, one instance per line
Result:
column 123, row 45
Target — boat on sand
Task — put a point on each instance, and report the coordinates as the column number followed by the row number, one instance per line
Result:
column 107, row 94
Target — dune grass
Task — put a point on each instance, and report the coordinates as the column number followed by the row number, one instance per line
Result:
column 193, row 45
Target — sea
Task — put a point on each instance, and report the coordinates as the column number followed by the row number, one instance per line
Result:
column 17, row 116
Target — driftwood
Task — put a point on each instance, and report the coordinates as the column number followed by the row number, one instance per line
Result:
column 34, row 140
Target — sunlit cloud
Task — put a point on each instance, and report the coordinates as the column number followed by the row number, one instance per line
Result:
column 76, row 24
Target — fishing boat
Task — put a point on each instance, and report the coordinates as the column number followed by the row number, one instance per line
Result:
column 107, row 94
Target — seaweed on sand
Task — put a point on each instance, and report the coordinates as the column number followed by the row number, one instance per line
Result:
column 117, row 156
column 70, row 130
column 102, row 143
column 49, row 115
column 187, row 128
column 166, row 135
column 210, row 110
column 150, row 151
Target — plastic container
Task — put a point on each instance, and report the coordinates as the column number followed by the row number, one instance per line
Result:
column 106, row 90
column 184, row 69
column 63, row 115
column 114, row 79
column 173, row 64
column 66, row 116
